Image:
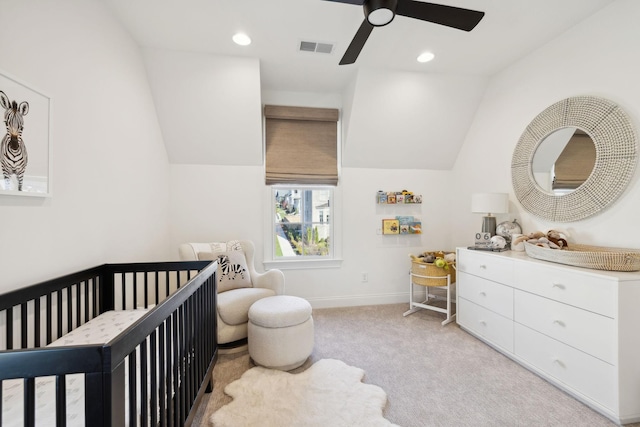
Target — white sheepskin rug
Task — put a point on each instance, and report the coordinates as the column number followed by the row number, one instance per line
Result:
column 329, row 393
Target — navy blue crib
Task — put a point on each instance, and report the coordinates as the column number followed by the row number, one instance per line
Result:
column 154, row 372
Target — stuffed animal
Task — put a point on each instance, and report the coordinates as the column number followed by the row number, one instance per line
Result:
column 558, row 238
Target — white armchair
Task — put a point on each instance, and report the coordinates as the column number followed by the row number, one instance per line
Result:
column 234, row 298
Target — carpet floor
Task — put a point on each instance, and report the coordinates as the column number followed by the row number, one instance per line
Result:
column 433, row 375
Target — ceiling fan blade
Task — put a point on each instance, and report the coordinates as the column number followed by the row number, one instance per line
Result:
column 357, row 43
column 450, row 16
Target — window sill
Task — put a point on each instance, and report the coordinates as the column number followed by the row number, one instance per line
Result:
column 295, row 264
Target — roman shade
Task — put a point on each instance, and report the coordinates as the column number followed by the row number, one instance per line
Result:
column 301, row 145
column 575, row 163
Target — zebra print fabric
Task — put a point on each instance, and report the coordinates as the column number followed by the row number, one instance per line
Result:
column 13, row 152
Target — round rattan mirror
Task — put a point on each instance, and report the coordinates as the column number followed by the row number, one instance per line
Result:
column 616, row 151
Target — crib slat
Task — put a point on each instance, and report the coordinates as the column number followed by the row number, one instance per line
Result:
column 78, row 302
column 177, row 366
column 69, row 310
column 146, row 290
column 153, row 352
column 9, row 320
column 85, row 288
column 29, row 402
column 169, row 358
column 61, row 401
column 24, row 326
column 59, row 313
column 135, row 290
column 162, row 375
column 48, row 316
column 37, row 317
column 156, row 296
column 132, row 389
column 143, row 384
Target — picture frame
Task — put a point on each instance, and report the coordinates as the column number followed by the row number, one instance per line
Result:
column 26, row 114
column 390, row 226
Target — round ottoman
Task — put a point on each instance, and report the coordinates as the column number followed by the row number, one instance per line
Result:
column 280, row 332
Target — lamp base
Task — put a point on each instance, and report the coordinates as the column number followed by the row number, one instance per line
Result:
column 489, row 225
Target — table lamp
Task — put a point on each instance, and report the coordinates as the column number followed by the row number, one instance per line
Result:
column 489, row 203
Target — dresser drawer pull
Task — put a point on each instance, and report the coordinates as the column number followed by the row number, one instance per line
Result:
column 483, row 323
column 558, row 285
column 559, row 322
column 482, row 266
column 559, row 362
column 482, row 293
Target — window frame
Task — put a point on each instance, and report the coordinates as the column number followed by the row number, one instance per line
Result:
column 334, row 260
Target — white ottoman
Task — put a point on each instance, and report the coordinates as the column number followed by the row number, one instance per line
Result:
column 280, row 332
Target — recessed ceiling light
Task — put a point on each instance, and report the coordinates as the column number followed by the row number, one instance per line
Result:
column 426, row 57
column 242, row 39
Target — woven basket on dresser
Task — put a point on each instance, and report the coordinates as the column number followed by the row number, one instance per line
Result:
column 596, row 257
column 436, row 276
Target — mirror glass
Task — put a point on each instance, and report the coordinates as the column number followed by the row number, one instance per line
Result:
column 564, row 160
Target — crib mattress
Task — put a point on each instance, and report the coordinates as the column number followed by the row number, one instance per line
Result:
column 99, row 330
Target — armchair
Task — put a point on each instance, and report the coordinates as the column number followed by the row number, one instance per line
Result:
column 236, row 291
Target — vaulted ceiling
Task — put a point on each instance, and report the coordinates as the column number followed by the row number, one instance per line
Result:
column 442, row 94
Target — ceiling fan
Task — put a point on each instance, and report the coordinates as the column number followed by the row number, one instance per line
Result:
column 379, row 13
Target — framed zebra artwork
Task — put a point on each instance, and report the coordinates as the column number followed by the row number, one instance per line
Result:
column 25, row 145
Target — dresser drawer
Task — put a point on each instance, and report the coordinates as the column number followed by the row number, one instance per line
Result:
column 583, row 373
column 590, row 332
column 494, row 328
column 593, row 293
column 487, row 266
column 488, row 294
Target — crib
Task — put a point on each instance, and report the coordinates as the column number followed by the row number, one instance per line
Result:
column 152, row 367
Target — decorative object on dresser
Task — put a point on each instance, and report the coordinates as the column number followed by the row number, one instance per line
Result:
column 614, row 138
column 488, row 204
column 575, row 327
column 507, row 229
column 596, row 257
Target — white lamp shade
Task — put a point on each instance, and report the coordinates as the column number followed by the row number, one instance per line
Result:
column 490, row 203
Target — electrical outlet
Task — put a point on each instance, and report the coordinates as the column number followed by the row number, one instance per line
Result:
column 365, row 276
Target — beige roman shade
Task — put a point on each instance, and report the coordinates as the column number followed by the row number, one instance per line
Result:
column 301, row 145
column 575, row 163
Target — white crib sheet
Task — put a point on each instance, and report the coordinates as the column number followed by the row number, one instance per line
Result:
column 99, row 330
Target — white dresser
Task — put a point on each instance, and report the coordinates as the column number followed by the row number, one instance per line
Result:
column 578, row 328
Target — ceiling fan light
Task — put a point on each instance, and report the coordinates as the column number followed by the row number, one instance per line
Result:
column 242, row 39
column 425, row 57
column 380, row 12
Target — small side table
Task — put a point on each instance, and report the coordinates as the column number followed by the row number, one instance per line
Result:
column 420, row 275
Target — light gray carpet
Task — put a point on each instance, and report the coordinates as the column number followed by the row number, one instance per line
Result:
column 433, row 375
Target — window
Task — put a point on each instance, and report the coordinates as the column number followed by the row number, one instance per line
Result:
column 301, row 173
column 301, row 227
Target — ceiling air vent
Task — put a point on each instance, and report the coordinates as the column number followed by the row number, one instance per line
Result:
column 306, row 46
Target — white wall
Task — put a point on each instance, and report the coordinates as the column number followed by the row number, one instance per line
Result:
column 208, row 106
column 226, row 202
column 110, row 169
column 597, row 57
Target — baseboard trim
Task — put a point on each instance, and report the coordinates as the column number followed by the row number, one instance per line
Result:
column 358, row 300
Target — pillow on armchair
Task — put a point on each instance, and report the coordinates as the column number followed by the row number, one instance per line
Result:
column 233, row 272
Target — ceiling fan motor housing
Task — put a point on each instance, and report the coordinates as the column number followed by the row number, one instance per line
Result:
column 380, row 12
